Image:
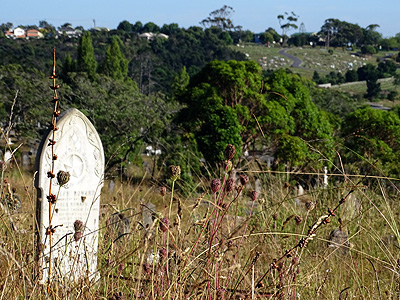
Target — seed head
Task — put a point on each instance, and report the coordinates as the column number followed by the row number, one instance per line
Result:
column 146, row 268
column 230, row 152
column 244, row 179
column 118, row 296
column 298, row 220
column 163, row 191
column 309, row 205
column 175, row 172
column 78, row 225
column 215, row 185
column 163, row 252
column 230, row 185
column 51, row 198
column 62, row 177
column 164, row 224
column 253, row 195
column 77, row 236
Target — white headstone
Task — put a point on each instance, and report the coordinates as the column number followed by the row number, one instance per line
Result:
column 26, row 160
column 148, row 212
column 80, row 152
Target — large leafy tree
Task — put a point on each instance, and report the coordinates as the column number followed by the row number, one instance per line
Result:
column 220, row 18
column 32, row 90
column 114, row 106
column 227, row 102
column 372, row 137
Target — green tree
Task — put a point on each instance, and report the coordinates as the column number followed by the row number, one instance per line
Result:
column 227, row 103
column 86, row 60
column 370, row 74
column 387, row 68
column 125, row 26
column 368, row 50
column 372, row 135
column 114, row 106
column 115, row 64
column 287, row 23
column 351, row 76
column 220, row 18
column 266, row 37
column 151, row 27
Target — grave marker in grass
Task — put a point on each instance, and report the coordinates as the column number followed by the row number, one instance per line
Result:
column 74, row 214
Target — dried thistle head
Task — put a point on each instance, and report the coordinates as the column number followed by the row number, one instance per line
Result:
column 163, row 252
column 146, row 268
column 163, row 191
column 309, row 205
column 78, row 225
column 215, row 185
column 164, row 224
column 230, row 152
column 244, row 179
column 175, row 172
column 298, row 220
column 230, row 185
column 253, row 196
column 77, row 236
column 63, row 177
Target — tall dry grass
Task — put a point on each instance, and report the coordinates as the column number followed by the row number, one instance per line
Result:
column 218, row 245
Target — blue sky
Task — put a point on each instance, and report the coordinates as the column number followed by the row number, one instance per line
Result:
column 255, row 15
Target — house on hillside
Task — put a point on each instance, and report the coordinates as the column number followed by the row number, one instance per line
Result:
column 151, row 36
column 33, row 34
column 17, row 33
column 99, row 29
column 69, row 31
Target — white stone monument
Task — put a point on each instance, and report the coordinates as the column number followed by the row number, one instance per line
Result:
column 75, row 214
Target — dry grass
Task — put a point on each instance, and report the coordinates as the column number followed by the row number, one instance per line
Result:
column 244, row 248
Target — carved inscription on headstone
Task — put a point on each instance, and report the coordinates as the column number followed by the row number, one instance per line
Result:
column 75, row 215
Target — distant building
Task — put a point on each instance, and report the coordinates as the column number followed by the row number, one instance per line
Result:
column 17, row 33
column 69, row 31
column 99, row 29
column 33, row 34
column 151, row 36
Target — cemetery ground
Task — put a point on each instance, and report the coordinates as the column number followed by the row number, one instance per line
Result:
column 143, row 255
column 314, row 59
column 320, row 60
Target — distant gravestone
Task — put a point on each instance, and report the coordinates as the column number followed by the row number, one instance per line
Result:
column 338, row 239
column 76, row 213
column 26, row 160
column 111, row 186
column 148, row 214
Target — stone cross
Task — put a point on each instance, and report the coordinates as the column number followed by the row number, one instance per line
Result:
column 75, row 215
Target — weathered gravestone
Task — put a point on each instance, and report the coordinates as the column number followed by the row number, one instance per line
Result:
column 75, row 215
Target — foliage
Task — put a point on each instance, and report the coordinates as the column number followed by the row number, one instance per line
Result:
column 368, row 49
column 373, row 136
column 351, row 76
column 220, row 18
column 339, row 33
column 226, row 103
column 114, row 107
column 31, row 89
column 338, row 103
column 115, row 64
column 86, row 61
column 287, row 22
